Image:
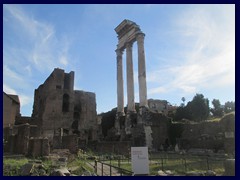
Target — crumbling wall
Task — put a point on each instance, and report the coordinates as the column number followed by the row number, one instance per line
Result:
column 22, row 138
column 57, row 105
column 116, row 147
column 70, row 142
column 49, row 107
column 11, row 109
column 38, row 147
column 218, row 135
column 85, row 113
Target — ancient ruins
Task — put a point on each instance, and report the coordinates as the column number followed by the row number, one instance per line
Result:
column 64, row 118
column 132, row 126
column 129, row 32
column 58, row 106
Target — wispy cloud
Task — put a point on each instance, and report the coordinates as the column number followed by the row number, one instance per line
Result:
column 208, row 49
column 44, row 48
column 24, row 99
column 8, row 89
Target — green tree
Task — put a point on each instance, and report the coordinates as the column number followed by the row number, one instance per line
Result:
column 229, row 106
column 181, row 113
column 217, row 110
column 198, row 108
column 183, row 101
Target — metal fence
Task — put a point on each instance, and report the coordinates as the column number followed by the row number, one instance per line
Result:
column 118, row 170
column 174, row 162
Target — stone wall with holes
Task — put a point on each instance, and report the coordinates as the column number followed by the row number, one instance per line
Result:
column 38, row 147
column 57, row 105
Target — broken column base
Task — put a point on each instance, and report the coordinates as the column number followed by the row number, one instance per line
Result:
column 130, row 121
column 119, row 122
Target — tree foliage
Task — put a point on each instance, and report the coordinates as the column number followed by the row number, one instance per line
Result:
column 199, row 108
column 217, row 110
column 195, row 110
column 229, row 106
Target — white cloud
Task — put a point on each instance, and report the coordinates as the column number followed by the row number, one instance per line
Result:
column 157, row 90
column 25, row 100
column 208, row 54
column 10, row 74
column 29, row 70
column 8, row 89
column 41, row 44
column 63, row 60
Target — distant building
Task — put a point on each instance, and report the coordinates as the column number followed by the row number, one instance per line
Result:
column 161, row 106
column 11, row 109
column 58, row 107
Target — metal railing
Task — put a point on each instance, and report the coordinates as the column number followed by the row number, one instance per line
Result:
column 120, row 171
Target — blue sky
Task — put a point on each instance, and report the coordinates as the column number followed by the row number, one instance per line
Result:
column 189, row 49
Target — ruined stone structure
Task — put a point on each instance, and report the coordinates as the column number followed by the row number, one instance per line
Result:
column 132, row 126
column 11, row 109
column 219, row 135
column 129, row 32
column 57, row 106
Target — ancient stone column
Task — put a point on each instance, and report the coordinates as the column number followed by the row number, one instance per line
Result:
column 130, row 81
column 142, row 71
column 120, row 93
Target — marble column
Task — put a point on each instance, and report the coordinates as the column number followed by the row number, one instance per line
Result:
column 120, row 92
column 142, row 71
column 130, row 80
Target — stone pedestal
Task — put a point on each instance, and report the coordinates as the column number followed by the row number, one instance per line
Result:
column 130, row 121
column 120, row 116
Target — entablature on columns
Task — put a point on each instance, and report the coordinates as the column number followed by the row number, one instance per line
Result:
column 127, row 33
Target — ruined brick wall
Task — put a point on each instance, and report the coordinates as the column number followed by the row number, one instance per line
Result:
column 49, row 102
column 228, row 127
column 11, row 110
column 70, row 142
column 203, row 135
column 57, row 105
column 197, row 129
column 122, row 147
column 22, row 138
column 85, row 113
column 38, row 147
column 160, row 129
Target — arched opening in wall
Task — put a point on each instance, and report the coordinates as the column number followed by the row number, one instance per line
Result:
column 65, row 105
column 77, row 113
column 75, row 127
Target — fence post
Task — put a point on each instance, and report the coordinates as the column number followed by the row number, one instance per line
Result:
column 102, row 168
column 119, row 162
column 162, row 163
column 185, row 164
column 95, row 167
column 207, row 164
column 110, row 166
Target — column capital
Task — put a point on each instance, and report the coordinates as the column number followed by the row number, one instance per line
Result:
column 119, row 52
column 129, row 45
column 140, row 36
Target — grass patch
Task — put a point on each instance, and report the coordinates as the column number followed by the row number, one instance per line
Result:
column 12, row 166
